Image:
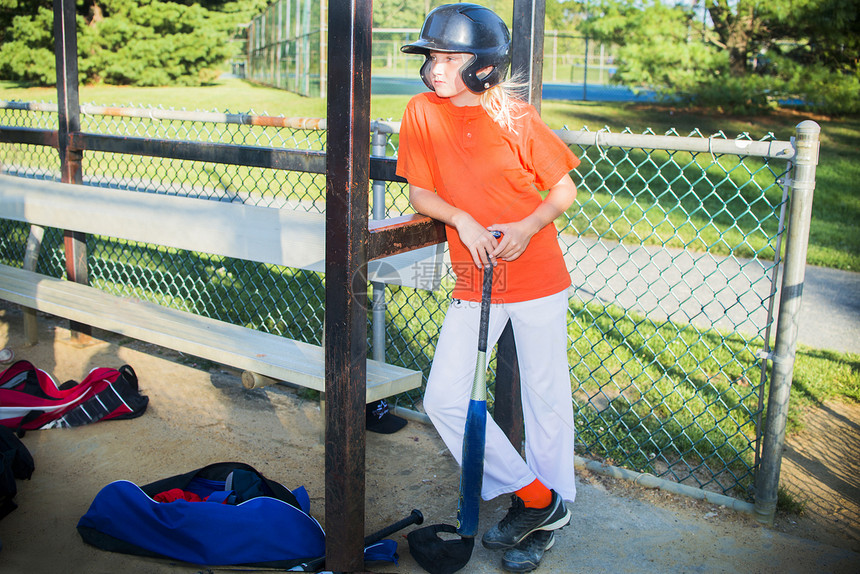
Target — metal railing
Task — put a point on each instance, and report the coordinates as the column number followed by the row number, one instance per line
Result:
column 673, row 246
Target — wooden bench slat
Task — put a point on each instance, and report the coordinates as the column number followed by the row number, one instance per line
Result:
column 283, row 237
column 270, row 355
column 278, row 236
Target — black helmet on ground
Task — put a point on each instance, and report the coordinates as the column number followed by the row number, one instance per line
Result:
column 471, row 29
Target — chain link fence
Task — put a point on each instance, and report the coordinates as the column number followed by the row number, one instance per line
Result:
column 285, row 47
column 673, row 247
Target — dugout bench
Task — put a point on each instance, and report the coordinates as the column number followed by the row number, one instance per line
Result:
column 281, row 237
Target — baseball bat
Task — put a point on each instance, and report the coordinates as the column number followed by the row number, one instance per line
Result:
column 415, row 517
column 474, row 436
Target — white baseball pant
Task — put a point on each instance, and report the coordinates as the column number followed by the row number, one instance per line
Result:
column 540, row 331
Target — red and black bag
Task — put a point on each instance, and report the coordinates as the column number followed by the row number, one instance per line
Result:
column 30, row 398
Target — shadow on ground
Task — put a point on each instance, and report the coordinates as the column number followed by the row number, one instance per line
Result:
column 821, row 468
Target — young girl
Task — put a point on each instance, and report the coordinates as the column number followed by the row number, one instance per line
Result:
column 476, row 158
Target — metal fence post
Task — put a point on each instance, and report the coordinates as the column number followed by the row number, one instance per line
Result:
column 585, row 72
column 31, row 259
column 794, row 270
column 527, row 45
column 377, row 149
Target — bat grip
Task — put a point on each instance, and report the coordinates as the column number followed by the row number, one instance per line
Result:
column 486, row 297
column 414, row 518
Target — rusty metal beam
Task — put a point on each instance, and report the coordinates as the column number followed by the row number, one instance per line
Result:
column 29, row 136
column 275, row 158
column 347, row 203
column 68, row 107
column 383, row 169
column 508, row 404
column 255, row 156
column 400, row 234
column 527, row 45
column 69, row 112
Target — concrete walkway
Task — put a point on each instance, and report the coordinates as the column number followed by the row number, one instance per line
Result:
column 830, row 310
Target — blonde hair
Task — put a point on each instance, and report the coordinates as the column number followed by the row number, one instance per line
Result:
column 504, row 100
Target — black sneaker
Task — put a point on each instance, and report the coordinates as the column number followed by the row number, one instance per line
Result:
column 526, row 556
column 521, row 521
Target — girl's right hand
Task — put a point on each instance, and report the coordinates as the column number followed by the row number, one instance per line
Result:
column 478, row 240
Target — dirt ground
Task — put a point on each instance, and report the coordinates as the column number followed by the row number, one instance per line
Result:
column 821, row 469
column 200, row 413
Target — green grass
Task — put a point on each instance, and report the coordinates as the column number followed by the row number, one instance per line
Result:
column 727, row 207
column 790, row 503
column 663, row 388
column 819, row 376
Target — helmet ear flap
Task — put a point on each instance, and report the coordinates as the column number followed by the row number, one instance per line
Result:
column 469, row 74
column 477, row 82
column 425, row 72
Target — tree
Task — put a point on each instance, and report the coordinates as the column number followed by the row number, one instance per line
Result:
column 152, row 43
column 27, row 50
column 655, row 51
column 751, row 55
column 562, row 14
column 738, row 31
column 400, row 13
column 140, row 42
column 822, row 32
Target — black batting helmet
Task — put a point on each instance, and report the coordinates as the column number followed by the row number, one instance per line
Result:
column 471, row 29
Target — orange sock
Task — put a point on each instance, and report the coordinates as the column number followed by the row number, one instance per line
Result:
column 535, row 495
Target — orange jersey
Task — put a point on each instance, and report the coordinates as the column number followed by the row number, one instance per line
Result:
column 496, row 176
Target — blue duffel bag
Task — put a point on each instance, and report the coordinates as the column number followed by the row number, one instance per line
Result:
column 222, row 514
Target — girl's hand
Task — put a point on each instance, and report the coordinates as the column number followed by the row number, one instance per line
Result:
column 515, row 239
column 478, row 240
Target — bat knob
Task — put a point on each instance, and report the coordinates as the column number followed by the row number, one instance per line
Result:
column 417, row 517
